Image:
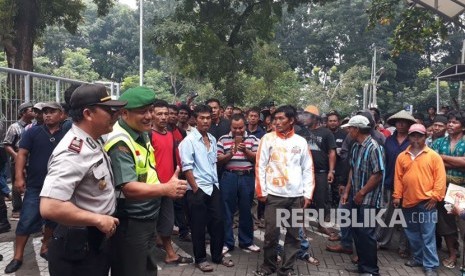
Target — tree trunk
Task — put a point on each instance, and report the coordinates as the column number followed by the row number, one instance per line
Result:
column 25, row 33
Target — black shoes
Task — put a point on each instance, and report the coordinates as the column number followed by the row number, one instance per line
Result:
column 412, row 263
column 13, row 266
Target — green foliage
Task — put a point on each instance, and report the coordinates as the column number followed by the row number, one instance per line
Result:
column 77, row 65
column 417, row 29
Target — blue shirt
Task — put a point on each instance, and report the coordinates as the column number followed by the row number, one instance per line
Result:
column 40, row 144
column 393, row 149
column 195, row 157
column 259, row 132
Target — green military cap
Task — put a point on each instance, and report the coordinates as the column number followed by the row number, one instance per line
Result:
column 138, row 97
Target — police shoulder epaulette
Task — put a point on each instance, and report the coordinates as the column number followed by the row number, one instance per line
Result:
column 76, row 145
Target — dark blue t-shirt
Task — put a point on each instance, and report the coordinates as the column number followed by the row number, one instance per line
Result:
column 40, row 144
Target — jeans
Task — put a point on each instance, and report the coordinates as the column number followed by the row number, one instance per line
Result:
column 304, row 245
column 420, row 231
column 346, row 231
column 4, row 189
column 237, row 190
column 365, row 243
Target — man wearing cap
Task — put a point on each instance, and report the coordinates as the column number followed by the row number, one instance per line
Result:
column 78, row 190
column 138, row 190
column 365, row 184
column 394, row 145
column 439, row 129
column 11, row 144
column 35, row 148
column 38, row 117
column 323, row 148
column 451, row 148
column 420, row 182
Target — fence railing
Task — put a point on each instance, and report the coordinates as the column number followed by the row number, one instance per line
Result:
column 17, row 87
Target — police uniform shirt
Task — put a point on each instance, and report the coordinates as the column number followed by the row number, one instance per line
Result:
column 80, row 171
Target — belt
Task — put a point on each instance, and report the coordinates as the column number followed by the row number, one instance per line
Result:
column 242, row 172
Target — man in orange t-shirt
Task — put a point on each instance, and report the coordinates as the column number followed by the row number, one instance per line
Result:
column 420, row 182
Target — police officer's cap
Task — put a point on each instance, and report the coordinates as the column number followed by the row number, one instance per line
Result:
column 24, row 106
column 138, row 97
column 93, row 94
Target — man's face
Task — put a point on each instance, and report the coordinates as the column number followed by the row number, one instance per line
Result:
column 253, row 118
column 103, row 118
column 228, row 111
column 353, row 132
column 439, row 130
column 39, row 115
column 51, row 116
column 272, row 109
column 160, row 117
column 417, row 140
column 454, row 127
column 238, row 127
column 215, row 110
column 173, row 116
column 29, row 115
column 431, row 111
column 183, row 116
column 402, row 126
column 139, row 119
column 204, row 121
column 283, row 124
column 333, row 122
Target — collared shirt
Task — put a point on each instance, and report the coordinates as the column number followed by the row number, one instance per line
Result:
column 79, row 171
column 366, row 159
column 239, row 161
column 442, row 146
column 202, row 162
column 393, row 149
column 418, row 178
column 13, row 134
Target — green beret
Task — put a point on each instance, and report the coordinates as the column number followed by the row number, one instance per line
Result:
column 138, row 97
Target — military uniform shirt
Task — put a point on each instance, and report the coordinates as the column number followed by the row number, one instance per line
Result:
column 79, row 171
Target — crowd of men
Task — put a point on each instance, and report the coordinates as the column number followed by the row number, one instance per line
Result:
column 107, row 181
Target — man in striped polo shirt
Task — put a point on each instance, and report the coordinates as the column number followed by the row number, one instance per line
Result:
column 236, row 152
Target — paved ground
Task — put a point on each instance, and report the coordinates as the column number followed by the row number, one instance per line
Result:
column 246, row 262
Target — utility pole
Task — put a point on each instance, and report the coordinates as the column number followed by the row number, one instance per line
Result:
column 141, row 41
column 373, row 80
column 462, row 61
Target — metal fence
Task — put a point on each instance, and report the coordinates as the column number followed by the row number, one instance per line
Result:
column 17, row 87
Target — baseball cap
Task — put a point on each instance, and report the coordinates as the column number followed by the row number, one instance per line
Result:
column 417, row 128
column 312, row 109
column 24, row 106
column 52, row 105
column 358, row 121
column 93, row 94
column 38, row 106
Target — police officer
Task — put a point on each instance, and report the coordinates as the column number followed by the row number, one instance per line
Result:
column 138, row 189
column 78, row 191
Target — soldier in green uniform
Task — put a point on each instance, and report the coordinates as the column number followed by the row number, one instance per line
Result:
column 138, row 189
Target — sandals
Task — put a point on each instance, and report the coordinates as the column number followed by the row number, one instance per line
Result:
column 312, row 260
column 449, row 263
column 204, row 267
column 181, row 260
column 227, row 263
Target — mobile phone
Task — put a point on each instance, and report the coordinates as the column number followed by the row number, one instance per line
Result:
column 237, row 141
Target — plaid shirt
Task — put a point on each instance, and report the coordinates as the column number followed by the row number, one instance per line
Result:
column 13, row 134
column 366, row 159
